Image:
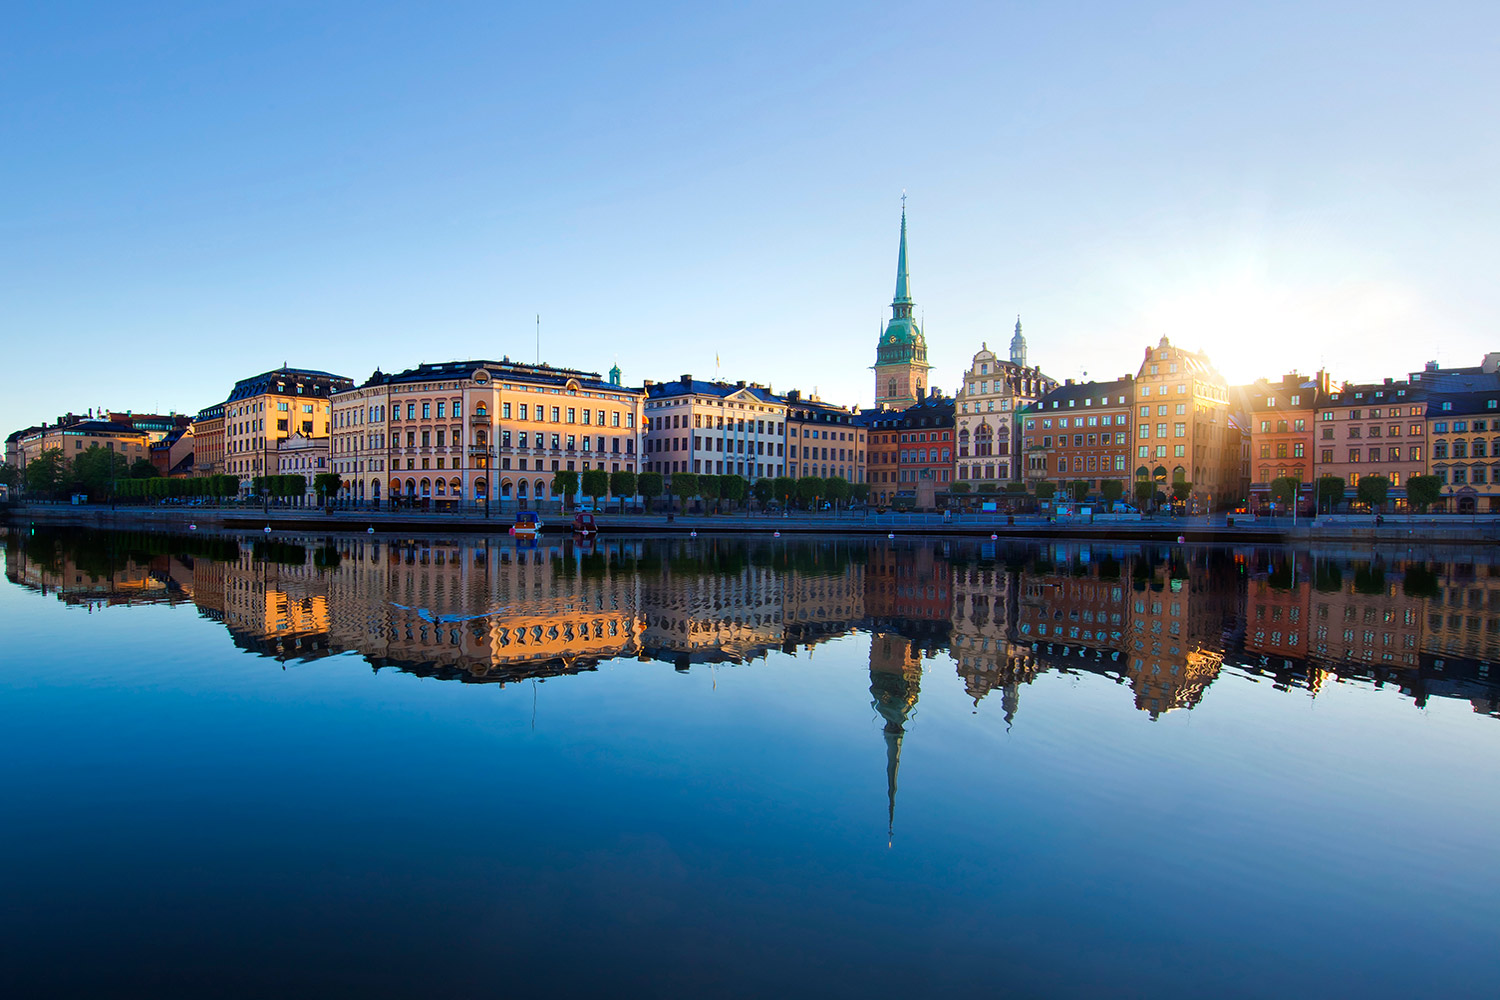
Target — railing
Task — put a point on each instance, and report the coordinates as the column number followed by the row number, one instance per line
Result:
column 480, row 418
column 481, row 450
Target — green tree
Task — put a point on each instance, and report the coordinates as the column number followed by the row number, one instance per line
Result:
column 142, row 468
column 763, row 490
column 565, row 484
column 1330, row 490
column 326, row 484
column 622, row 485
column 1145, row 492
column 1284, row 490
column 1045, row 490
column 650, row 486
column 960, row 488
column 595, row 484
column 860, row 492
column 1423, row 491
column 11, row 476
column 684, row 486
column 710, row 489
column 97, row 469
column 1111, row 490
column 809, row 489
column 836, row 488
column 990, row 488
column 1016, row 488
column 1373, row 490
column 1181, row 489
column 785, row 488
column 1080, row 488
column 734, row 488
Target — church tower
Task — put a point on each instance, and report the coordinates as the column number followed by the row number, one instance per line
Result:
column 901, row 356
column 1018, row 346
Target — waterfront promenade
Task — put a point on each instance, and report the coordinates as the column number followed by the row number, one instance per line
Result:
column 1451, row 529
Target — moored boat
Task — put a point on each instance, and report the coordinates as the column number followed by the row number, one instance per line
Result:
column 584, row 525
column 528, row 525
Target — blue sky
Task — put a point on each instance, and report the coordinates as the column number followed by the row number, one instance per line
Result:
column 195, row 193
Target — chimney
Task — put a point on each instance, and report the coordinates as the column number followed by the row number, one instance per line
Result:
column 1067, row 381
column 1388, row 380
column 687, row 381
column 794, row 395
column 1431, row 366
column 740, row 384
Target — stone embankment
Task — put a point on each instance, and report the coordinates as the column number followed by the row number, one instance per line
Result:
column 1459, row 530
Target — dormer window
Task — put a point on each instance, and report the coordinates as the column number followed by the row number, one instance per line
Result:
column 1447, row 406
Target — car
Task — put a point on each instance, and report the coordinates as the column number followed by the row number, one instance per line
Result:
column 587, row 506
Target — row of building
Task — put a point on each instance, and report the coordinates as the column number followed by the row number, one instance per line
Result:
column 479, row 430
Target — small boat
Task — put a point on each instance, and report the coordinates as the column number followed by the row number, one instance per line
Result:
column 528, row 525
column 584, row 525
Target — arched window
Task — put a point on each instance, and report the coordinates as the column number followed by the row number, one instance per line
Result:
column 539, row 490
column 505, row 487
column 521, row 489
column 481, row 489
column 442, row 488
column 411, row 487
column 426, row 488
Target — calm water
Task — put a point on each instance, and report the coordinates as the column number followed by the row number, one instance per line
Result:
column 443, row 767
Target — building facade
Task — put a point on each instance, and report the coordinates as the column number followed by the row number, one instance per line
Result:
column 1463, row 435
column 208, row 441
column 901, row 368
column 480, row 431
column 989, row 405
column 1282, row 418
column 1182, row 426
column 911, row 453
column 1081, row 432
column 823, row 440
column 714, row 428
column 266, row 409
column 1373, row 429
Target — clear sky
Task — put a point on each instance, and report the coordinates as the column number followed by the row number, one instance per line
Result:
column 193, row 193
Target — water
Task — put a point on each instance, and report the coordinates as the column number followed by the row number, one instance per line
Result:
column 376, row 767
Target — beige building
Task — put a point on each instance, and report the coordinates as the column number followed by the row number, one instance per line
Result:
column 823, row 440
column 73, row 439
column 208, row 441
column 473, row 431
column 267, row 409
column 715, row 428
column 987, row 412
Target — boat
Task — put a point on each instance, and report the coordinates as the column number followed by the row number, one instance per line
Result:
column 584, row 525
column 528, row 525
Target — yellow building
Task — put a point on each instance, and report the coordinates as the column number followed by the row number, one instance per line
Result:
column 208, row 441
column 823, row 440
column 72, row 439
column 1182, row 426
column 265, row 410
column 471, row 431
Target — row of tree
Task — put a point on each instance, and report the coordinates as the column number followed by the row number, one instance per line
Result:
column 97, row 472
column 711, row 489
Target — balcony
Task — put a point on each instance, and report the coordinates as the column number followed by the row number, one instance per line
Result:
column 479, row 419
column 480, row 451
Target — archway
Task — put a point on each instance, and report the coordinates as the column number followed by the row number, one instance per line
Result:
column 505, row 486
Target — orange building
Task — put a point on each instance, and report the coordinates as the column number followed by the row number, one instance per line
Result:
column 1282, row 416
column 1182, row 425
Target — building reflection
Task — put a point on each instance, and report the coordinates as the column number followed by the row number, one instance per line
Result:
column 1164, row 622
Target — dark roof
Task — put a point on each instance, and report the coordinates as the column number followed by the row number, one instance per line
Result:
column 1461, row 403
column 503, row 369
column 689, row 386
column 816, row 411
column 1080, row 391
column 284, row 381
column 100, row 427
column 929, row 411
column 1375, row 392
column 215, row 412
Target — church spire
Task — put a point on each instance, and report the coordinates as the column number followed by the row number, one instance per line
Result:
column 901, row 304
column 1018, row 346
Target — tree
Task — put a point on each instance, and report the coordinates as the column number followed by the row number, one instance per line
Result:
column 326, row 484
column 988, row 488
column 684, row 486
column 1284, row 490
column 1045, row 490
column 1111, row 490
column 1080, row 488
column 649, row 486
column 1373, row 490
column 1330, row 491
column 785, row 487
column 142, row 468
column 595, row 483
column 734, row 488
column 97, row 470
column 860, row 492
column 763, row 489
column 10, row 476
column 1182, row 489
column 1145, row 492
column 565, row 484
column 809, row 488
column 622, row 485
column 45, row 473
column 1424, row 491
column 960, row 488
column 1016, row 488
column 836, row 488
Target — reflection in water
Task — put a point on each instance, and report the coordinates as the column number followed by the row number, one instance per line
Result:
column 1165, row 620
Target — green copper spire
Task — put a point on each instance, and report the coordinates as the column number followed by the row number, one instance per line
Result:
column 903, row 281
